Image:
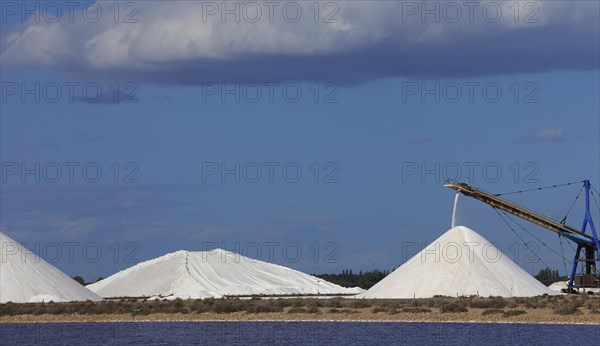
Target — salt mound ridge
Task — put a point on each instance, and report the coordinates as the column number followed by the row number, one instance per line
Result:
column 27, row 278
column 211, row 274
column 459, row 263
column 563, row 285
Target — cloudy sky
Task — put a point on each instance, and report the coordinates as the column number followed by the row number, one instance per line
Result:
column 136, row 128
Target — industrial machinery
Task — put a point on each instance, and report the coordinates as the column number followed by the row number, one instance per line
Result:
column 588, row 277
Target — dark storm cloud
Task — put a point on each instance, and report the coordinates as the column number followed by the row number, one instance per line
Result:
column 368, row 42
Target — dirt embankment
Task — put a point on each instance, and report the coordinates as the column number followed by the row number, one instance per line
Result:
column 550, row 309
column 536, row 316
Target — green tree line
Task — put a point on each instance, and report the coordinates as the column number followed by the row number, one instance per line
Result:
column 367, row 279
column 348, row 279
column 548, row 276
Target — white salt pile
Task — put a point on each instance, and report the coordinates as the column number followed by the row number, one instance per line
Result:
column 211, row 274
column 563, row 285
column 459, row 263
column 27, row 278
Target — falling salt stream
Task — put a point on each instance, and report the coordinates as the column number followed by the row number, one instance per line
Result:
column 454, row 210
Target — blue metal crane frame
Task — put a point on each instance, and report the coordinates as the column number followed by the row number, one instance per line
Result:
column 594, row 249
column 587, row 242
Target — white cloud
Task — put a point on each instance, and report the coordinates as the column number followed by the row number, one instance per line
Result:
column 558, row 134
column 552, row 135
column 173, row 38
column 39, row 225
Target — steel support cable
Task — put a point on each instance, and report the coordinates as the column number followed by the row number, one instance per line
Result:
column 595, row 201
column 571, row 245
column 521, row 239
column 564, row 220
column 562, row 250
column 593, row 188
column 539, row 188
column 534, row 237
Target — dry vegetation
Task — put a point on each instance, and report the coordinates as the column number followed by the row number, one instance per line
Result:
column 554, row 308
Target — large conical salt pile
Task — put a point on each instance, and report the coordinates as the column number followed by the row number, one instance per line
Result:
column 211, row 274
column 459, row 263
column 25, row 278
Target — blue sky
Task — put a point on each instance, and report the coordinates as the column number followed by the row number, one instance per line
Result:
column 370, row 123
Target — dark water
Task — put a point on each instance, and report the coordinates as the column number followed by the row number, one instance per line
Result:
column 296, row 333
